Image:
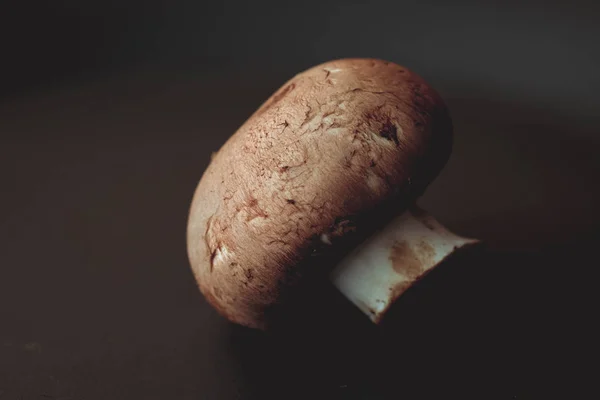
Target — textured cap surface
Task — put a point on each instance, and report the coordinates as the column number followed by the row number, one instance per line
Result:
column 337, row 143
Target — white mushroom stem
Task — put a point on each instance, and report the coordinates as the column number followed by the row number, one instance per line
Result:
column 377, row 272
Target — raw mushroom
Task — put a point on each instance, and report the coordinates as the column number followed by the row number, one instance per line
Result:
column 327, row 169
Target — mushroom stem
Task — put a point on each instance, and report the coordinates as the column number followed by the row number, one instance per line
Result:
column 378, row 271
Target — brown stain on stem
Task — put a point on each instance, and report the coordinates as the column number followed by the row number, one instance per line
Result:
column 409, row 261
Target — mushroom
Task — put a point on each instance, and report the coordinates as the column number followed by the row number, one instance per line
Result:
column 326, row 171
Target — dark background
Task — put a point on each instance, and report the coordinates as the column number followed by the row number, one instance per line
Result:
column 109, row 111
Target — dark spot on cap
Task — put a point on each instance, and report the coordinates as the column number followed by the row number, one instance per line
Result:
column 249, row 274
column 291, row 201
column 389, row 132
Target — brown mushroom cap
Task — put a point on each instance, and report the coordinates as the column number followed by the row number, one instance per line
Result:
column 311, row 168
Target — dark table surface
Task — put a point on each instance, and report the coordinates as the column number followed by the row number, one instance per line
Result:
column 97, row 300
